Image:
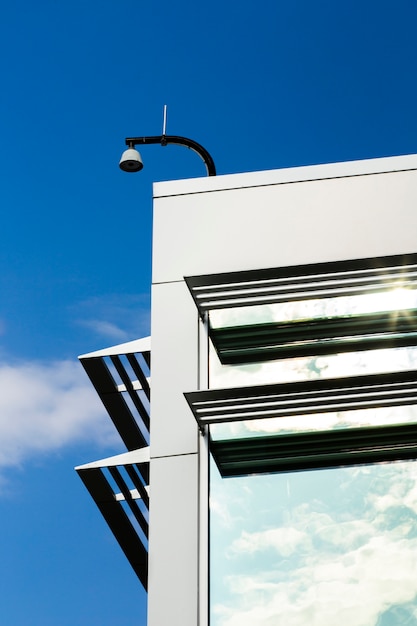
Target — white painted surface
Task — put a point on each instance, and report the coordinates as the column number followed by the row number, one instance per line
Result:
column 141, row 455
column 285, row 224
column 174, row 370
column 130, row 347
column 285, row 175
column 173, row 540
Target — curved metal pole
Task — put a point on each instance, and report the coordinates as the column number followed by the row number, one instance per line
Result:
column 179, row 141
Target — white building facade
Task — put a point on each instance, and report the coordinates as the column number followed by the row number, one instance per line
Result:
column 273, row 479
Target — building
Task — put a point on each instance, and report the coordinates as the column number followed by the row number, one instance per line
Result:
column 284, row 385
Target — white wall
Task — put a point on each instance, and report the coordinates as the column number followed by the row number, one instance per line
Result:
column 231, row 223
column 284, row 224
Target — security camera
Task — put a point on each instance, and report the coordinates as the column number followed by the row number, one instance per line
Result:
column 131, row 161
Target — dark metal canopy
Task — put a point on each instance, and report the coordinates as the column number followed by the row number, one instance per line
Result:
column 119, row 485
column 313, row 449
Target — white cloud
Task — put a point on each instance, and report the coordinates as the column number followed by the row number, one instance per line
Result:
column 44, row 407
column 116, row 317
column 106, row 329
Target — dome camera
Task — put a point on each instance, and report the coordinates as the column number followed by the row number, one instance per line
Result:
column 131, row 161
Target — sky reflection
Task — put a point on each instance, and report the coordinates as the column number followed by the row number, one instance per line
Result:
column 319, row 547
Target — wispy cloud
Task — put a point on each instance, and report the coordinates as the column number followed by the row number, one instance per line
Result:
column 106, row 329
column 115, row 317
column 44, row 407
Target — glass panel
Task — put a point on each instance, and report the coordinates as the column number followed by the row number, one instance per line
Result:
column 321, row 547
column 306, row 368
column 311, row 328
column 318, row 422
column 319, row 308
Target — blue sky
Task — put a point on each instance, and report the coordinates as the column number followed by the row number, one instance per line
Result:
column 261, row 86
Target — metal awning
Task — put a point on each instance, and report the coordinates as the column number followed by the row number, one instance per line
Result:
column 119, row 485
column 281, row 451
column 301, row 282
column 120, row 375
column 246, row 338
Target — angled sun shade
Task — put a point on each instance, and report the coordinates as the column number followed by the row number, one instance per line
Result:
column 364, row 305
column 120, row 376
column 325, row 308
column 119, row 485
column 288, row 453
column 310, row 424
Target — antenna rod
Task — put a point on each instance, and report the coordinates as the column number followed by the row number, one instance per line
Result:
column 164, row 123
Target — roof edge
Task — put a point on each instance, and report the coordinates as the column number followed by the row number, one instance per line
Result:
column 137, row 345
column 362, row 167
